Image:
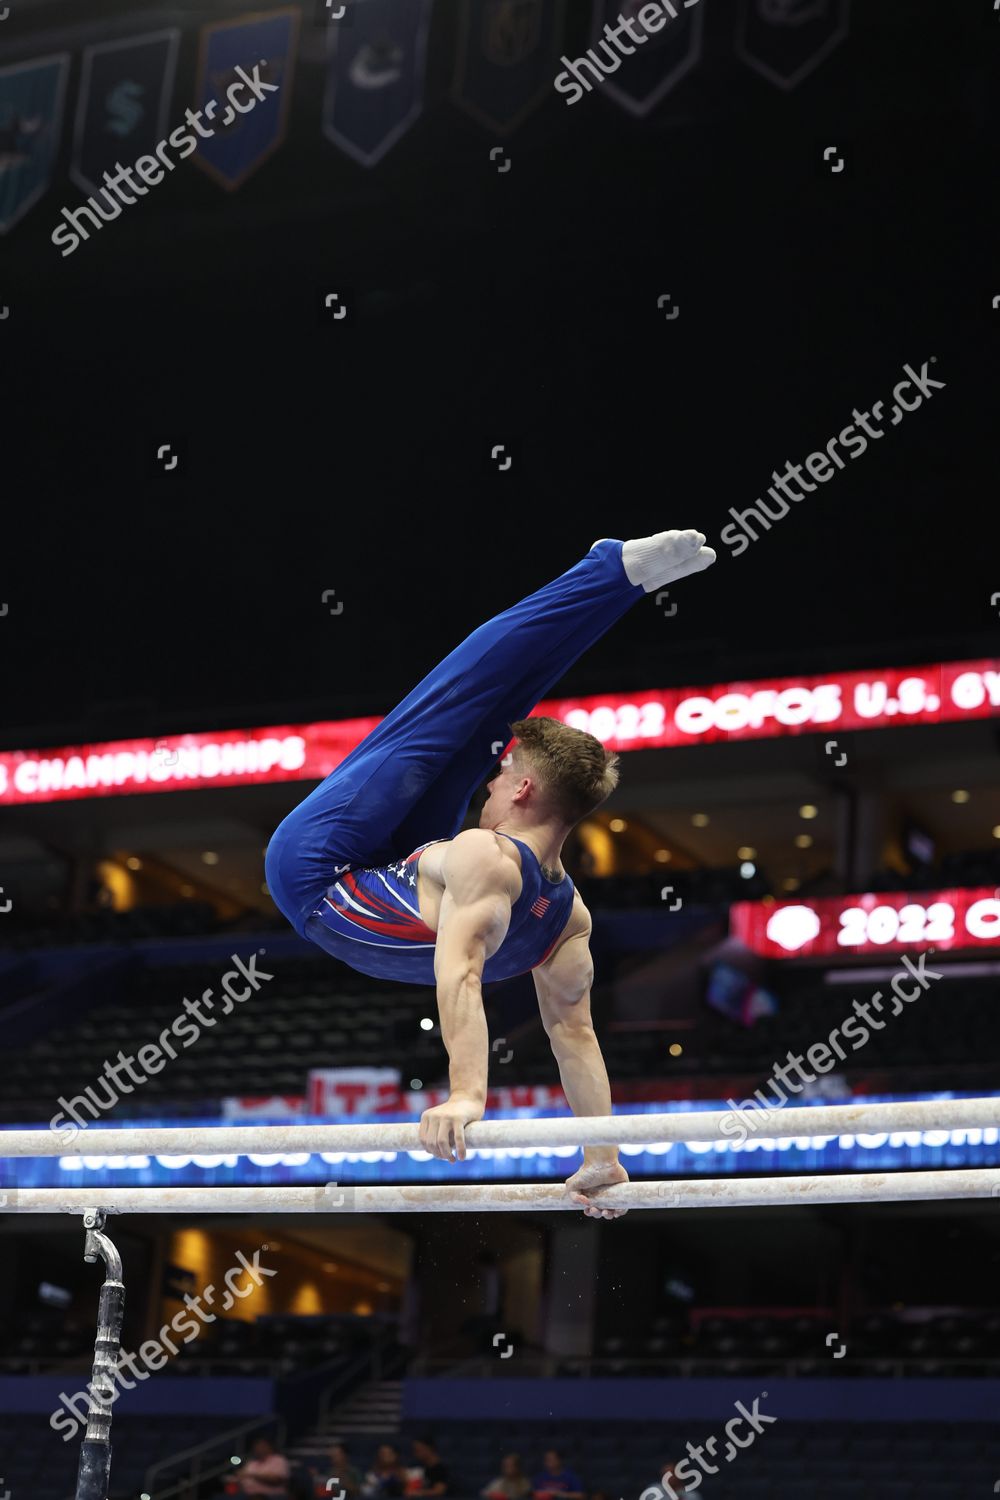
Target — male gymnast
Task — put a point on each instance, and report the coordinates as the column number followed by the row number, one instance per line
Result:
column 373, row 868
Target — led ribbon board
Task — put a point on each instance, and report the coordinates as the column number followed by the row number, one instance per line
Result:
column 766, row 709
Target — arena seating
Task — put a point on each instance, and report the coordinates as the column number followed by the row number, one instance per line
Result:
column 38, row 1463
column 104, row 925
column 809, row 1011
column 709, row 887
column 312, row 1018
column 271, row 1346
column 789, row 1461
column 928, row 1343
column 880, row 1344
column 315, row 1017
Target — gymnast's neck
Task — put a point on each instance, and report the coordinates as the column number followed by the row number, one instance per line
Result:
column 544, row 840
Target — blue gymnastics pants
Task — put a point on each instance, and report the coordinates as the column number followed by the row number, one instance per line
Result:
column 412, row 778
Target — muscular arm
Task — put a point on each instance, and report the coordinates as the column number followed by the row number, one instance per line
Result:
column 473, row 922
column 563, row 988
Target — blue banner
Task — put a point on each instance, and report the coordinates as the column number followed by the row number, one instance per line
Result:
column 656, row 65
column 121, row 112
column 262, row 47
column 375, row 82
column 766, row 1155
column 32, row 96
column 507, row 55
column 785, row 40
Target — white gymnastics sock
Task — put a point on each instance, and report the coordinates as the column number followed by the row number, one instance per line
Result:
column 655, row 561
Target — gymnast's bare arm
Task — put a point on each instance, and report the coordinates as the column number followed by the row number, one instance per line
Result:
column 563, row 986
column 481, row 884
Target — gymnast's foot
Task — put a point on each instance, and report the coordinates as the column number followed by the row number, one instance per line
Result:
column 655, row 561
column 595, row 1174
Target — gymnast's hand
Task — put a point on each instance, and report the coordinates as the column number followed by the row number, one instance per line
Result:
column 592, row 1176
column 442, row 1129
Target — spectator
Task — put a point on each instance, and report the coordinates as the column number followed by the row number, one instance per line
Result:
column 672, row 1486
column 342, row 1471
column 434, row 1478
column 386, row 1479
column 510, row 1484
column 556, row 1479
column 266, row 1472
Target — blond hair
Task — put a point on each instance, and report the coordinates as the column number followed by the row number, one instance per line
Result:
column 575, row 772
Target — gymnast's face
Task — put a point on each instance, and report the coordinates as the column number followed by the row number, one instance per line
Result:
column 506, row 790
column 497, row 799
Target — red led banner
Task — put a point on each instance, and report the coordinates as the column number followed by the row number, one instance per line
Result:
column 788, row 705
column 889, row 922
column 639, row 721
column 177, row 763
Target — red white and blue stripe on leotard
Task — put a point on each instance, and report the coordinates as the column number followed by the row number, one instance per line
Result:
column 383, row 901
column 370, row 918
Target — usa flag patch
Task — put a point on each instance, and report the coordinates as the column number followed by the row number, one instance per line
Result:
column 541, row 906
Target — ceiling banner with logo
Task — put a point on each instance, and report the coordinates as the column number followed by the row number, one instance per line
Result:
column 122, row 109
column 786, row 40
column 260, row 48
column 640, row 78
column 375, row 81
column 508, row 55
column 32, row 98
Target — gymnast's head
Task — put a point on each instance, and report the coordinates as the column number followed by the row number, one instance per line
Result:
column 553, row 775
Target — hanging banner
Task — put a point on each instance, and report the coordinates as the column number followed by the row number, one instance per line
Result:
column 32, row 98
column 943, row 693
column 375, row 81
column 887, row 922
column 640, row 79
column 262, row 46
column 508, row 52
column 354, row 1091
column 121, row 113
column 786, row 40
column 346, row 1092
